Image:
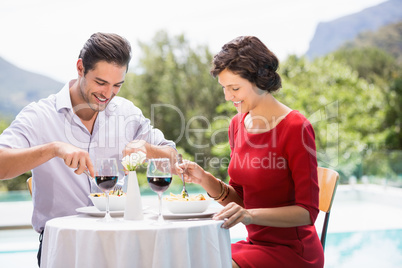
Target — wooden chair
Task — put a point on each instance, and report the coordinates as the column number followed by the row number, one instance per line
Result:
column 327, row 182
column 29, row 184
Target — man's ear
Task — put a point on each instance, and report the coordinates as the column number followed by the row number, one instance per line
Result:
column 80, row 67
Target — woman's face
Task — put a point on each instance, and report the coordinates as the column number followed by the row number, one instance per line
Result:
column 244, row 94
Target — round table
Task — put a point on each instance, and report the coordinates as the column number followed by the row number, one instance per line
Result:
column 83, row 241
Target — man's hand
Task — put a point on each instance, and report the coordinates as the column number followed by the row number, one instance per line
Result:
column 135, row 146
column 74, row 157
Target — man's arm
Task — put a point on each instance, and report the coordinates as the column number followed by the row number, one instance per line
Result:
column 14, row 162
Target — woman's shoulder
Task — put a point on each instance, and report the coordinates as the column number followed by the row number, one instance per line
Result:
column 295, row 118
column 295, row 124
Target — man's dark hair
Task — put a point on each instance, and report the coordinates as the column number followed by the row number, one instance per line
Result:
column 108, row 47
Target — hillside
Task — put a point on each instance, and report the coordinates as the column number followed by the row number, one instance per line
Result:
column 387, row 38
column 331, row 35
column 19, row 87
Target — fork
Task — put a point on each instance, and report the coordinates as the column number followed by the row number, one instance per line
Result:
column 89, row 175
column 184, row 191
column 118, row 187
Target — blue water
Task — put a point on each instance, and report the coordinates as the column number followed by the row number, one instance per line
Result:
column 15, row 196
column 378, row 248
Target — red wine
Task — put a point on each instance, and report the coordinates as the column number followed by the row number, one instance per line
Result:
column 106, row 182
column 159, row 184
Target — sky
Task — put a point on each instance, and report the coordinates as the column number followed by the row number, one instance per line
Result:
column 45, row 36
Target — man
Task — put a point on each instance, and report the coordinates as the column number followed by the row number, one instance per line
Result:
column 60, row 137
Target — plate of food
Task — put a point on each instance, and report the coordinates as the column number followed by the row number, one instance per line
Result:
column 180, row 206
column 117, row 200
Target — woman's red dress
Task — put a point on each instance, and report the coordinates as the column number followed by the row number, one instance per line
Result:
column 275, row 169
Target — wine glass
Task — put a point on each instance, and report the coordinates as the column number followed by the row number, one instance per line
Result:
column 159, row 177
column 106, row 177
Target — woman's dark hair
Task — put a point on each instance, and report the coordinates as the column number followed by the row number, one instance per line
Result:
column 248, row 57
column 108, row 47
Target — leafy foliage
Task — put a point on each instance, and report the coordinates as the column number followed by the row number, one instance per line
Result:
column 384, row 70
column 174, row 89
column 345, row 110
column 352, row 97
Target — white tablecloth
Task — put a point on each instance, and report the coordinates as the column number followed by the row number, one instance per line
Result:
column 83, row 241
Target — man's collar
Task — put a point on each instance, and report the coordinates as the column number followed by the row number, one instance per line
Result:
column 63, row 99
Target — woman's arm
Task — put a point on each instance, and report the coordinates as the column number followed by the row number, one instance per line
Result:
column 216, row 189
column 289, row 216
column 234, row 211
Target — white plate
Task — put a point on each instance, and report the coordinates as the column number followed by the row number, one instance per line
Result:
column 93, row 211
column 208, row 213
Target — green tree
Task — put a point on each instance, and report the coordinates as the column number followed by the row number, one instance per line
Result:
column 173, row 88
column 380, row 68
column 17, row 183
column 3, row 124
column 346, row 111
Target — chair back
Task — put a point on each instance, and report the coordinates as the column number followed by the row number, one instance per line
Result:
column 29, row 184
column 327, row 181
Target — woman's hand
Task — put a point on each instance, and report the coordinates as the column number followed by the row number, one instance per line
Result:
column 233, row 213
column 191, row 171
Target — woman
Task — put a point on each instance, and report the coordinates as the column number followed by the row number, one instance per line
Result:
column 273, row 186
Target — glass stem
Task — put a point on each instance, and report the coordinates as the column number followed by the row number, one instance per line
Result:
column 107, row 215
column 160, row 217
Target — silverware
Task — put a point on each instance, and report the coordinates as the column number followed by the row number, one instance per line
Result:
column 91, row 178
column 89, row 175
column 184, row 191
column 118, row 187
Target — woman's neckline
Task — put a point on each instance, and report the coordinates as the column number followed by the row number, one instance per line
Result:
column 278, row 122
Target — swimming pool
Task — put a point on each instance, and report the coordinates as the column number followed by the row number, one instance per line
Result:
column 18, row 248
column 15, row 196
column 377, row 248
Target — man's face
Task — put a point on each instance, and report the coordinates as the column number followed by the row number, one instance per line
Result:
column 101, row 84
